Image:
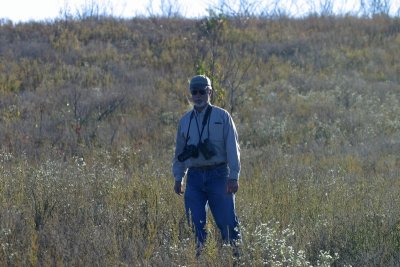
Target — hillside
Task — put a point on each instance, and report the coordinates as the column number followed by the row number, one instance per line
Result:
column 315, row 101
column 109, row 83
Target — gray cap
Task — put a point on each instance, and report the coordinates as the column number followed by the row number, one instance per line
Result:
column 199, row 81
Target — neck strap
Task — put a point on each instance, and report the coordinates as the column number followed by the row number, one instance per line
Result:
column 204, row 122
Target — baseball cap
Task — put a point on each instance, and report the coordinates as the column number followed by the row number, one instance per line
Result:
column 199, row 81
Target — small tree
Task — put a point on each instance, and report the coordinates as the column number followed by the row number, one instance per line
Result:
column 168, row 9
column 375, row 7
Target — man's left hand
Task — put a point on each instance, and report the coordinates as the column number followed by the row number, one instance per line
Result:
column 178, row 187
column 232, row 186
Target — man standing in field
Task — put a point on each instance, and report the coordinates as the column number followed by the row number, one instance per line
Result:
column 207, row 150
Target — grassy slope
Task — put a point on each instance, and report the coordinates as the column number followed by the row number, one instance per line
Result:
column 89, row 110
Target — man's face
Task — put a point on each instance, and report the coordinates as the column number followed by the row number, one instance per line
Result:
column 200, row 97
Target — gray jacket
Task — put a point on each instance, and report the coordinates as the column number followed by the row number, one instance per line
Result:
column 221, row 132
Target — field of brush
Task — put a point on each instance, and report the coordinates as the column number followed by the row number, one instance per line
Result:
column 89, row 110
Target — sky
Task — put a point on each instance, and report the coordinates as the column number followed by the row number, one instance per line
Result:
column 39, row 10
column 25, row 10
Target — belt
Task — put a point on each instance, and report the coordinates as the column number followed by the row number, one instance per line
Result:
column 208, row 167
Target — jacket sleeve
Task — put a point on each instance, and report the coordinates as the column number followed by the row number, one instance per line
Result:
column 179, row 168
column 232, row 148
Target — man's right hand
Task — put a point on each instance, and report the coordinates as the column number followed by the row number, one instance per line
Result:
column 178, row 188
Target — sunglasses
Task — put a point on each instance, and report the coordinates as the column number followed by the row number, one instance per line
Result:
column 200, row 91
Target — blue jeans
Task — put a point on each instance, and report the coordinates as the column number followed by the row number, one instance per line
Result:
column 209, row 186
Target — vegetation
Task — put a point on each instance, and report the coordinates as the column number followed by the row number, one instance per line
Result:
column 89, row 109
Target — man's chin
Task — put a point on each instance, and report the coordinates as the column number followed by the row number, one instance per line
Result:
column 200, row 105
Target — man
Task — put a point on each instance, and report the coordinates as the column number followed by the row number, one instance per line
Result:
column 207, row 150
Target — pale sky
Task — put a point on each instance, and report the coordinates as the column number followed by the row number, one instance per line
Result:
column 26, row 10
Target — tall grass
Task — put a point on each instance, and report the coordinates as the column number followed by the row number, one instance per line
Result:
column 89, row 110
column 120, row 209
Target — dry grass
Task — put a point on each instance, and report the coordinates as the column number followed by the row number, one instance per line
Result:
column 89, row 110
column 121, row 210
